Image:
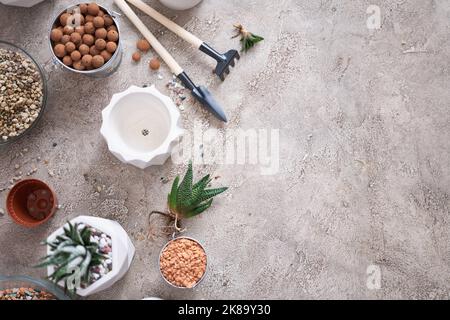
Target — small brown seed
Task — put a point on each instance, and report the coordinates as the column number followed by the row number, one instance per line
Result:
column 93, row 9
column 155, row 64
column 60, row 50
column 75, row 38
column 98, row 61
column 89, row 18
column 80, row 30
column 136, row 56
column 65, row 38
column 99, row 22
column 75, row 55
column 78, row 65
column 101, row 33
column 70, row 47
column 89, row 28
column 83, row 8
column 68, row 30
column 100, row 44
column 93, row 51
column 88, row 39
column 67, row 60
column 111, row 47
column 63, row 18
column 113, row 35
column 108, row 20
column 87, row 60
column 143, row 45
column 106, row 55
column 56, row 35
column 84, row 49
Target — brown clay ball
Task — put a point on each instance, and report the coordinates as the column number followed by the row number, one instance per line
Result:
column 111, row 47
column 93, row 9
column 111, row 28
column 99, row 22
column 98, row 61
column 75, row 38
column 93, row 51
column 70, row 47
column 143, row 45
column 56, row 35
column 83, row 8
column 76, row 55
column 88, row 39
column 101, row 33
column 136, row 57
column 60, row 50
column 65, row 38
column 155, row 64
column 68, row 30
column 113, row 35
column 108, row 20
column 63, row 18
column 106, row 55
column 78, row 65
column 84, row 49
column 89, row 18
column 67, row 60
column 80, row 30
column 86, row 60
column 89, row 28
column 100, row 44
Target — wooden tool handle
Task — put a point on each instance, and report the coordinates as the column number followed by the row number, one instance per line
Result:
column 169, row 24
column 163, row 53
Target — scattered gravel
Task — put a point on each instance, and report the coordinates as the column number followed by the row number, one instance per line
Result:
column 177, row 91
column 105, row 244
column 25, row 294
column 21, row 93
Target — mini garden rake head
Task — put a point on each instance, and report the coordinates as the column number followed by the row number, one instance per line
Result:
column 224, row 61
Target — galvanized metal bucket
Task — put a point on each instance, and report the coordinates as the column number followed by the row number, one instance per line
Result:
column 108, row 68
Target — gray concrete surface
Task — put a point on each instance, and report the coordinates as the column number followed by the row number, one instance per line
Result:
column 364, row 152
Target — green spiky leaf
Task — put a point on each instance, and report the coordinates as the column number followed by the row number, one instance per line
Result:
column 173, row 193
column 187, row 200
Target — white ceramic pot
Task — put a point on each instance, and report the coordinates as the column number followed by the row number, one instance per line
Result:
column 141, row 126
column 21, row 3
column 180, row 4
column 122, row 252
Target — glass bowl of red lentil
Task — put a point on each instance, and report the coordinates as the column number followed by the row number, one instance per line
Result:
column 162, row 265
column 5, row 80
column 27, row 288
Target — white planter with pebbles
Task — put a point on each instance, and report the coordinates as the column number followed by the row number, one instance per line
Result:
column 21, row 3
column 112, row 236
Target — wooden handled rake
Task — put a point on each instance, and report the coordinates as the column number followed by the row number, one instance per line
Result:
column 224, row 61
column 201, row 93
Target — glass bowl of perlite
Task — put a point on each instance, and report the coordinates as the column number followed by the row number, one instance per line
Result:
column 23, row 93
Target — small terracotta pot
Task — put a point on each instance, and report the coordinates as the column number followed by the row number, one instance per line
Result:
column 31, row 203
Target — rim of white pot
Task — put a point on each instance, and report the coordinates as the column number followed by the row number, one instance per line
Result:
column 108, row 131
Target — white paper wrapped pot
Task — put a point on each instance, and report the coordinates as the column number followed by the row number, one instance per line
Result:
column 180, row 4
column 21, row 3
column 141, row 126
column 122, row 252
